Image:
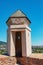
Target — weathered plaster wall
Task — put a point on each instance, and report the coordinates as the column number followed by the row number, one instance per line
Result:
column 28, row 43
column 8, row 41
column 12, row 43
column 23, row 44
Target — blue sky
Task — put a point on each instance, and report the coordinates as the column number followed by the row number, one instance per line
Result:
column 34, row 11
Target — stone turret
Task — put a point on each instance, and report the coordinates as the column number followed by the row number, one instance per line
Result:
column 19, row 35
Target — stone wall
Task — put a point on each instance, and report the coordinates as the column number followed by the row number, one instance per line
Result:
column 30, row 61
column 7, row 60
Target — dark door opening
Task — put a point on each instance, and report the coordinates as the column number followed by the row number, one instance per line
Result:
column 18, row 45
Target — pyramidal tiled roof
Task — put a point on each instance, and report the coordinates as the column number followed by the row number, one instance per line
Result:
column 18, row 13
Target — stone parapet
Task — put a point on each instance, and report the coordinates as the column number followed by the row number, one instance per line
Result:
column 30, row 61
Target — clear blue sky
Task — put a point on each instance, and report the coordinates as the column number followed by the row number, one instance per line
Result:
column 34, row 11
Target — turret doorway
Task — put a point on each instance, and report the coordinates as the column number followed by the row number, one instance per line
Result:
column 18, row 45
